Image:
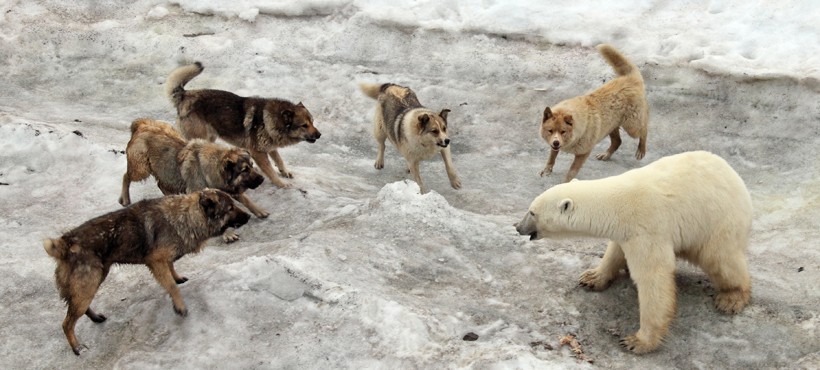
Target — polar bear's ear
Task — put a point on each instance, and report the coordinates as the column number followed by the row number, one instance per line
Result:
column 566, row 205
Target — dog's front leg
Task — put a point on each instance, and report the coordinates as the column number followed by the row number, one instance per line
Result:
column 451, row 170
column 280, row 164
column 261, row 159
column 414, row 169
column 160, row 268
column 258, row 212
column 550, row 162
column 576, row 166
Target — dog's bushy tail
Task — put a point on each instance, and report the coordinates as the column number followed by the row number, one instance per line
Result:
column 371, row 90
column 175, row 83
column 619, row 63
column 56, row 248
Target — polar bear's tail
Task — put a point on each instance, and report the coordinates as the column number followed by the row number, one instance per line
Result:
column 621, row 65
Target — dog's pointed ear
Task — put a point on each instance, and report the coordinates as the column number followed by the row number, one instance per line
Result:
column 566, row 206
column 424, row 119
column 300, row 105
column 208, row 204
column 547, row 114
column 444, row 113
column 568, row 119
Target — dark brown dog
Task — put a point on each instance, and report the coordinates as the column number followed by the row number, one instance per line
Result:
column 258, row 124
column 157, row 149
column 154, row 232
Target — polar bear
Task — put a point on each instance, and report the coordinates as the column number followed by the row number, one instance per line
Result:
column 691, row 205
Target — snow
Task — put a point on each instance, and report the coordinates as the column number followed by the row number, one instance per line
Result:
column 354, row 268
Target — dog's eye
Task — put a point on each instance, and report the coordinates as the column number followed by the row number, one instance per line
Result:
column 435, row 132
column 549, row 131
column 304, row 126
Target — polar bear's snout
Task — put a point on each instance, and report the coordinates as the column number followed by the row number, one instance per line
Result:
column 527, row 226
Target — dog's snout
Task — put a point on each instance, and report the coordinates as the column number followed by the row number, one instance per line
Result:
column 446, row 141
column 254, row 180
column 240, row 218
column 556, row 143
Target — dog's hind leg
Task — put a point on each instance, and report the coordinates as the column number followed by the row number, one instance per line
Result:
column 135, row 171
column 178, row 279
column 125, row 195
column 280, row 164
column 160, row 268
column 261, row 159
column 83, row 283
column 97, row 317
column 381, row 136
column 614, row 144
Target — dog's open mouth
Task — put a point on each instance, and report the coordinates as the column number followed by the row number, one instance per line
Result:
column 443, row 145
column 555, row 148
column 311, row 140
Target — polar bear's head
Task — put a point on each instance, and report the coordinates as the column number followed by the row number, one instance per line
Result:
column 548, row 217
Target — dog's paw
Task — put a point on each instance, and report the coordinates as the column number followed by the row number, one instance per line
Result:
column 181, row 280
column 636, row 345
column 379, row 165
column 183, row 311
column 593, row 280
column 229, row 236
column 262, row 213
column 286, row 174
column 77, row 350
column 98, row 318
column 639, row 154
column 604, row 156
column 124, row 202
column 456, row 184
column 546, row 171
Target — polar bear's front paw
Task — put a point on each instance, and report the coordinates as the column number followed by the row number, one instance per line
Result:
column 732, row 301
column 637, row 346
column 593, row 280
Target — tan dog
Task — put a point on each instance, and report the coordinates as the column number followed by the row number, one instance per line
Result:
column 576, row 125
column 257, row 124
column 153, row 232
column 417, row 132
column 157, row 149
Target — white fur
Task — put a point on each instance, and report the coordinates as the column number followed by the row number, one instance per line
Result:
column 691, row 205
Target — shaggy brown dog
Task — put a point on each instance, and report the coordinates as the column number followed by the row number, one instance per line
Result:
column 258, row 124
column 576, row 125
column 157, row 149
column 153, row 232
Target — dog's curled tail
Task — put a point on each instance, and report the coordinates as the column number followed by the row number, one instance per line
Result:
column 619, row 63
column 175, row 83
column 55, row 248
column 371, row 90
